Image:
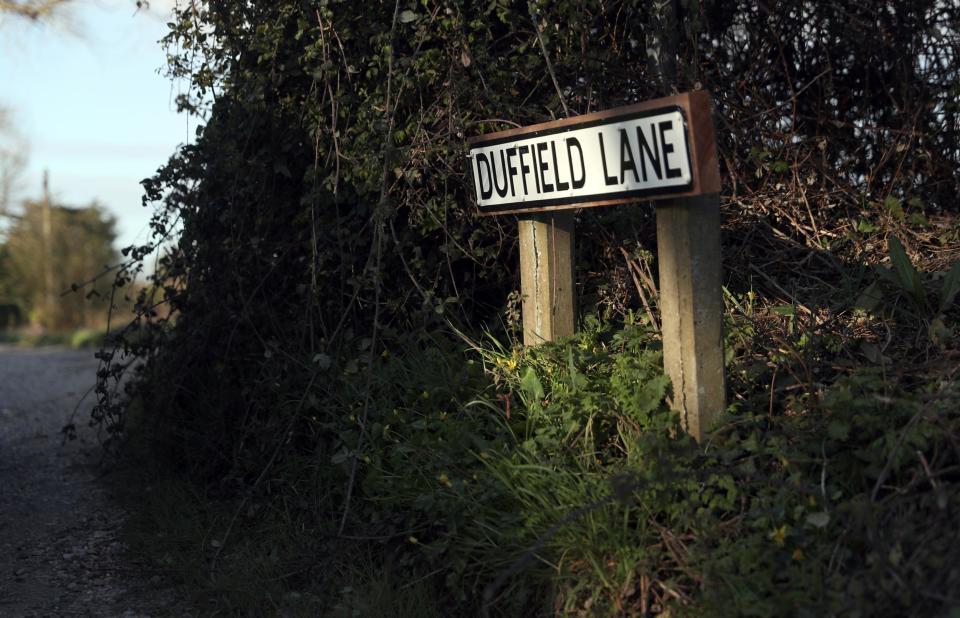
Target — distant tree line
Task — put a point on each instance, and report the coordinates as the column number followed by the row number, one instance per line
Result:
column 50, row 255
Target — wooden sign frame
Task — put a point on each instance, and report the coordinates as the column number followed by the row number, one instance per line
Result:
column 699, row 132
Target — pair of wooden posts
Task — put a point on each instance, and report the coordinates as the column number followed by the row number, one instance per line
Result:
column 662, row 150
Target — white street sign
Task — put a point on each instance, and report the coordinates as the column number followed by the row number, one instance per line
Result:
column 634, row 155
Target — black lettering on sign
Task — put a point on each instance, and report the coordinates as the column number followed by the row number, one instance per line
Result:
column 653, row 153
column 607, row 178
column 561, row 184
column 544, row 166
column 637, row 152
column 572, row 143
column 524, row 168
column 501, row 191
column 511, row 152
column 672, row 172
column 626, row 157
column 481, row 159
column 536, row 167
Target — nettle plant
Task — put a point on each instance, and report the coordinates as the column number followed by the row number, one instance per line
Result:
column 903, row 291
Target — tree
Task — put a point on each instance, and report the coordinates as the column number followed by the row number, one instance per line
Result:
column 48, row 250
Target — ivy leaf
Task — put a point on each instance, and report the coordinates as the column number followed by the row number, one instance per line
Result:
column 819, row 519
column 838, row 430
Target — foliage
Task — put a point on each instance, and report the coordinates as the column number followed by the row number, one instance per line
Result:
column 82, row 339
column 913, row 296
column 584, row 485
column 299, row 360
column 46, row 252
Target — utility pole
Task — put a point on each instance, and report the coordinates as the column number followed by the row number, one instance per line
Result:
column 47, row 230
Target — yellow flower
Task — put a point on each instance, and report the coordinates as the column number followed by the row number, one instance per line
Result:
column 779, row 535
column 510, row 364
column 797, row 554
column 445, row 480
column 425, row 394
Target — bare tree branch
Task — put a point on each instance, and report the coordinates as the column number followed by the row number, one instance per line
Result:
column 31, row 9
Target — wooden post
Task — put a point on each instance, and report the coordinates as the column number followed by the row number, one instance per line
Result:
column 660, row 150
column 691, row 305
column 546, row 276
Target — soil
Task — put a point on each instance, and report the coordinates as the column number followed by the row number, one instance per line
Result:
column 61, row 547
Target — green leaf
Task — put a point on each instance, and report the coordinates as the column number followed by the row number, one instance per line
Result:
column 896, row 554
column 407, row 16
column 787, row 310
column 577, row 379
column 939, row 332
column 894, row 207
column 907, row 276
column 951, row 286
column 870, row 298
column 838, row 430
column 530, row 384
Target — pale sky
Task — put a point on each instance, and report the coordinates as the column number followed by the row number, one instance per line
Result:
column 87, row 94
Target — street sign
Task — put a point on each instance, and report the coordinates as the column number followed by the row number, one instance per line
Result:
column 649, row 150
column 663, row 149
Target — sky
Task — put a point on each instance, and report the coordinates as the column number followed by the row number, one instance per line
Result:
column 87, row 93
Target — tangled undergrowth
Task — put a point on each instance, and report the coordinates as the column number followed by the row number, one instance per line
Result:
column 556, row 480
column 322, row 387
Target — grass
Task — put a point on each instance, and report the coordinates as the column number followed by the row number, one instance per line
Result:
column 257, row 557
column 80, row 339
column 269, row 565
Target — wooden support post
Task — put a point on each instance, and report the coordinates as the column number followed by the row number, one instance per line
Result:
column 691, row 305
column 546, row 276
column 551, row 167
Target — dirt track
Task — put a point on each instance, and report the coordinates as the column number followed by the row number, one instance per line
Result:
column 61, row 552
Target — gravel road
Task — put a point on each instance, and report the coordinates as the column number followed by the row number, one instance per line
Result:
column 61, row 552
